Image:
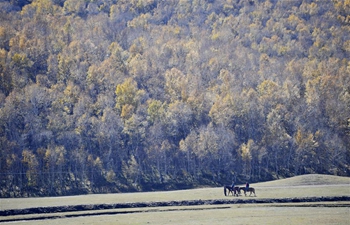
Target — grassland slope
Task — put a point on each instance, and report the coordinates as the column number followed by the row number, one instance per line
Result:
column 305, row 180
column 262, row 190
column 307, row 191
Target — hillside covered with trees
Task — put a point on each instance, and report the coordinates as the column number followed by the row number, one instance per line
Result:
column 133, row 95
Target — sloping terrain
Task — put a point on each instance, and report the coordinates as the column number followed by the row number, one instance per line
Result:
column 42, row 213
column 309, row 179
column 141, row 202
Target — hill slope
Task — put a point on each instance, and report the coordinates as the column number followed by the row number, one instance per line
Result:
column 309, row 179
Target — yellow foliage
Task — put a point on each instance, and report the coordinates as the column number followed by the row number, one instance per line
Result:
column 140, row 22
column 127, row 111
column 346, row 46
column 128, row 94
column 98, row 163
column 267, row 88
column 40, row 7
column 312, row 90
column 177, row 30
column 245, row 152
column 2, row 32
column 3, row 54
column 176, row 84
column 29, row 159
column 110, row 176
column 60, row 151
column 10, row 160
column 215, row 36
column 155, row 109
column 21, row 59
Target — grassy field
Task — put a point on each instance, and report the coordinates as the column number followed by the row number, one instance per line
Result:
column 297, row 213
column 225, row 214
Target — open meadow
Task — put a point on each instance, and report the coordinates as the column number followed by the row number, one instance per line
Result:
column 273, row 212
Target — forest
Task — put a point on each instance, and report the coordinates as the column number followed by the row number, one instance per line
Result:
column 100, row 96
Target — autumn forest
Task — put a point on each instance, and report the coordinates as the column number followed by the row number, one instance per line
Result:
column 101, row 96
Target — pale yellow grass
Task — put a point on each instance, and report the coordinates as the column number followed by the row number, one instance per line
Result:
column 235, row 214
column 301, row 186
column 308, row 180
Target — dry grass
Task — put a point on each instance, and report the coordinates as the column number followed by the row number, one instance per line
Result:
column 301, row 186
column 235, row 214
column 308, row 180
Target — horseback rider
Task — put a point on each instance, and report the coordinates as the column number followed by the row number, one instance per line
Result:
column 247, row 186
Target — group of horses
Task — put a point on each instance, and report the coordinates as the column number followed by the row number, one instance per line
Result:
column 235, row 191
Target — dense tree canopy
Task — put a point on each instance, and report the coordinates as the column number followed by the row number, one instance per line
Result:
column 125, row 95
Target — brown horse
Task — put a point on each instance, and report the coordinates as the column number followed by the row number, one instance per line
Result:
column 251, row 190
column 234, row 191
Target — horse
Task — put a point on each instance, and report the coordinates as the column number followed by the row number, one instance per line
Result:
column 250, row 189
column 230, row 189
column 235, row 190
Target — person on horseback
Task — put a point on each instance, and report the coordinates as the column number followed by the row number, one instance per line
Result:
column 233, row 184
column 247, row 186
